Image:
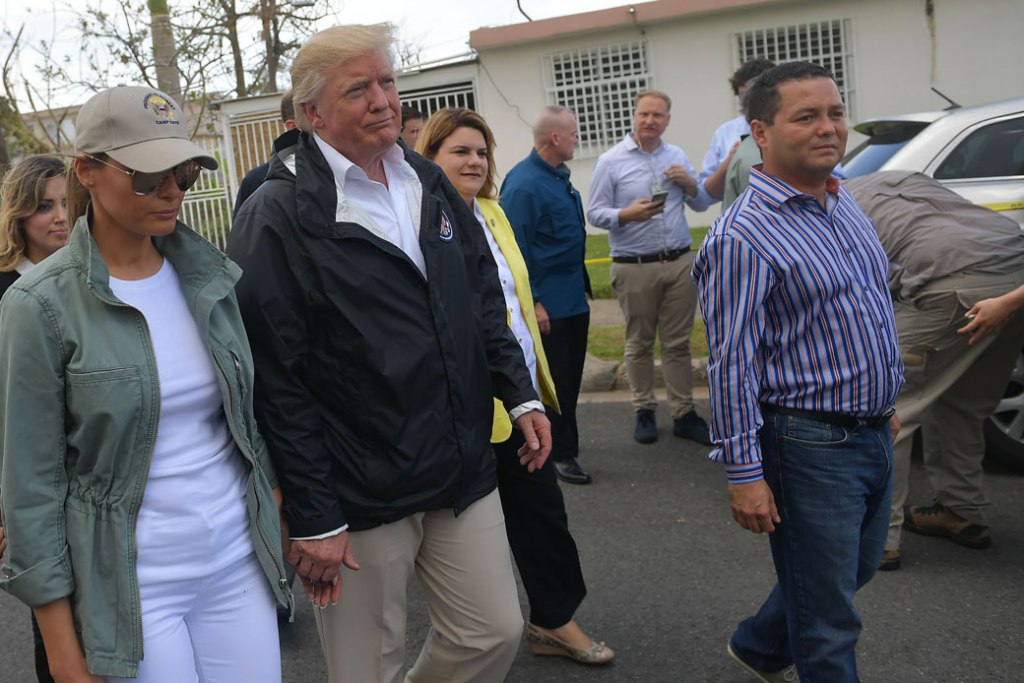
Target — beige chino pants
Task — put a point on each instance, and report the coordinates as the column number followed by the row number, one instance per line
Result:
column 465, row 570
column 658, row 300
column 951, row 388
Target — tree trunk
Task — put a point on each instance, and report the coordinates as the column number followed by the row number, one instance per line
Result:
column 268, row 13
column 165, row 53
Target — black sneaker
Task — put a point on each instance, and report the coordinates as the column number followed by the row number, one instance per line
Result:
column 646, row 430
column 691, row 426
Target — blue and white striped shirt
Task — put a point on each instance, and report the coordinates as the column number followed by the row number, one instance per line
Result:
column 798, row 314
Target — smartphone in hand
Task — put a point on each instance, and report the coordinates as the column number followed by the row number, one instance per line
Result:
column 659, row 197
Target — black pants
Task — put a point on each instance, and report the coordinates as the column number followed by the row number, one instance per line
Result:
column 538, row 533
column 566, row 349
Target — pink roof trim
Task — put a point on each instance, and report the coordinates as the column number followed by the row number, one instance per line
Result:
column 644, row 13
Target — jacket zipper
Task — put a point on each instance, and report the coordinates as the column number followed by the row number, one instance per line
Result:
column 282, row 580
column 139, row 494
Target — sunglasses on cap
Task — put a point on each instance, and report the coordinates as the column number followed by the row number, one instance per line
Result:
column 185, row 176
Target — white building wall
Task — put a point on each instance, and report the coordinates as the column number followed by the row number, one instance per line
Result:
column 692, row 58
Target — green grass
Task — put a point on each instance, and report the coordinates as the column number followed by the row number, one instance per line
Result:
column 600, row 273
column 608, row 343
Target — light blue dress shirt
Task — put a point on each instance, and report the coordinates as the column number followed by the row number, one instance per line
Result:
column 626, row 173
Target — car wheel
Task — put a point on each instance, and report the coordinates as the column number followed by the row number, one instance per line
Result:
column 1004, row 431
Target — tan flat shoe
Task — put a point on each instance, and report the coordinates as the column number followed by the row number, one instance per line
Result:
column 543, row 642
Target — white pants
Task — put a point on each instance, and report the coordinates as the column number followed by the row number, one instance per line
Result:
column 218, row 629
column 465, row 569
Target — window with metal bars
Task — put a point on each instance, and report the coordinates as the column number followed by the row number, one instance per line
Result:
column 598, row 84
column 827, row 43
column 429, row 100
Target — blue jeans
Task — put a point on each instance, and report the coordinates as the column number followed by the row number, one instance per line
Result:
column 833, row 488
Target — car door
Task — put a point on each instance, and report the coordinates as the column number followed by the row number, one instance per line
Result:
column 985, row 164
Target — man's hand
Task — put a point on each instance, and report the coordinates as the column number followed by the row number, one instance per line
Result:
column 986, row 317
column 894, row 426
column 715, row 183
column 640, row 210
column 536, row 431
column 753, row 506
column 317, row 563
column 543, row 321
column 678, row 174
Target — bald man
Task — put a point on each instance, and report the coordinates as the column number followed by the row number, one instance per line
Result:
column 547, row 216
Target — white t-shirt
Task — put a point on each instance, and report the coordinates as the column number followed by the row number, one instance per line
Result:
column 193, row 519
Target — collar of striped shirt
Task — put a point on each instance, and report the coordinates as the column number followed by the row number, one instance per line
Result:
column 777, row 191
column 798, row 314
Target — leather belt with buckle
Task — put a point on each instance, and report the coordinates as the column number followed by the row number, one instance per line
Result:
column 661, row 256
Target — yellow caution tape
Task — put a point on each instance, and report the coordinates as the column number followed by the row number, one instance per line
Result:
column 1005, row 206
column 608, row 259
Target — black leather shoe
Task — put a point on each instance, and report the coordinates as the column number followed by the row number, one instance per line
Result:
column 570, row 472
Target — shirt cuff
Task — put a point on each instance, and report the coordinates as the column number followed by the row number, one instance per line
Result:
column 745, row 473
column 320, row 537
column 524, row 408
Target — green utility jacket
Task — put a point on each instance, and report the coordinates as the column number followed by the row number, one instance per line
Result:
column 79, row 406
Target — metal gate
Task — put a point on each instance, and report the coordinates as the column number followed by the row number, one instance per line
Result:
column 207, row 206
column 247, row 132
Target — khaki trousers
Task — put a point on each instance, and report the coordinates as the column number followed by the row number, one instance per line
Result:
column 658, row 300
column 951, row 388
column 465, row 570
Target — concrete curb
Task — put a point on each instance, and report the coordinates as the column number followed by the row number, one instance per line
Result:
column 607, row 375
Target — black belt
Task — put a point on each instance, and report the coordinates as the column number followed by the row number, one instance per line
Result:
column 666, row 255
column 844, row 420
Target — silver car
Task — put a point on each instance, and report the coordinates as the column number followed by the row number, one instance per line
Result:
column 979, row 153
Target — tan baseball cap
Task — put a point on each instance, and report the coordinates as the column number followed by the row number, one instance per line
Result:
column 139, row 127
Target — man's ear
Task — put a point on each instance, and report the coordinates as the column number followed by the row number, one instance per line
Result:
column 312, row 113
column 759, row 130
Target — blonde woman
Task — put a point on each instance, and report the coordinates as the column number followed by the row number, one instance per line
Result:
column 139, row 500
column 461, row 143
column 33, row 216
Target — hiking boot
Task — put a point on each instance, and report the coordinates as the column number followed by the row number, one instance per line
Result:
column 646, row 430
column 691, row 426
column 890, row 561
column 787, row 675
column 938, row 520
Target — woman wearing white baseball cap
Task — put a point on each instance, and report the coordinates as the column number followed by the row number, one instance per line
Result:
column 139, row 500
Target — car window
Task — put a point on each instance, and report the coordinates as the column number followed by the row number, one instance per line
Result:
column 885, row 138
column 994, row 151
column 869, row 156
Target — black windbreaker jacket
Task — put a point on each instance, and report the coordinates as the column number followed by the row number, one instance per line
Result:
column 374, row 384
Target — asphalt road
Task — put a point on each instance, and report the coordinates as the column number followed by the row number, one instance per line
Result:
column 669, row 575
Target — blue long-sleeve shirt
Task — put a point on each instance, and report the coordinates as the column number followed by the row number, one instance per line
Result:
column 626, row 173
column 546, row 215
column 798, row 314
column 726, row 135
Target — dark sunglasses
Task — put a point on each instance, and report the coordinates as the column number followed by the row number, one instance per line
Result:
column 185, row 176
